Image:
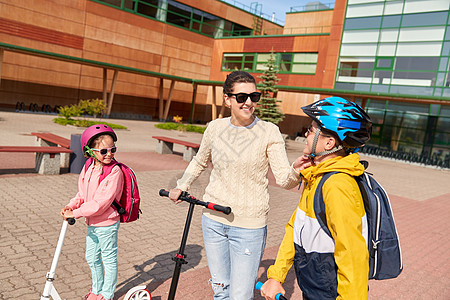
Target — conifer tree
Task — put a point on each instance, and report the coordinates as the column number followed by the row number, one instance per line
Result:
column 268, row 108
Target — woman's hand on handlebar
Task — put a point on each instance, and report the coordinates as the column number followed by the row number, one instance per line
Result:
column 271, row 288
column 174, row 194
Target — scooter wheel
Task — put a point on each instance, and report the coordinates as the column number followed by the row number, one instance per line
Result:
column 140, row 295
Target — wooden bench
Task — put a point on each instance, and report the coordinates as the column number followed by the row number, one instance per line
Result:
column 46, row 139
column 165, row 146
column 47, row 158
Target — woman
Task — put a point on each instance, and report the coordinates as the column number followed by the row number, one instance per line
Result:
column 241, row 149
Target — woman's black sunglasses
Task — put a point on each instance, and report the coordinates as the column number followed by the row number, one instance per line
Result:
column 242, row 97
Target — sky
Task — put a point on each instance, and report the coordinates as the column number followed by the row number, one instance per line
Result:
column 279, row 7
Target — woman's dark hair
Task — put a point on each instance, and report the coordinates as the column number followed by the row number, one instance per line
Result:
column 237, row 77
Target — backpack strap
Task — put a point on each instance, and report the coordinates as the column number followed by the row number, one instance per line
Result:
column 319, row 205
column 106, row 170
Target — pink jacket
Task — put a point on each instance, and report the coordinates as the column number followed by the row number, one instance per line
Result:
column 93, row 200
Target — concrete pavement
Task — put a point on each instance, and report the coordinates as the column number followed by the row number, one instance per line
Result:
column 30, row 223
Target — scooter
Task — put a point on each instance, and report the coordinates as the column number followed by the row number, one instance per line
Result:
column 49, row 289
column 180, row 256
column 137, row 293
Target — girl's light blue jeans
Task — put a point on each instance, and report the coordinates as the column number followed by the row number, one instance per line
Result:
column 234, row 255
column 101, row 245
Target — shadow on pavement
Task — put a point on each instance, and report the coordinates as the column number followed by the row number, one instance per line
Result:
column 160, row 262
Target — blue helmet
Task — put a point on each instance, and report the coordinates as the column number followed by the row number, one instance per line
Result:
column 347, row 119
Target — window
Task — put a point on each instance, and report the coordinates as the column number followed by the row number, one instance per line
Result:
column 391, row 21
column 148, row 7
column 232, row 61
column 426, row 19
column 305, row 63
column 362, row 23
column 290, row 63
column 417, row 63
column 384, row 63
column 127, row 4
column 179, row 14
column 182, row 15
column 355, row 69
column 263, row 58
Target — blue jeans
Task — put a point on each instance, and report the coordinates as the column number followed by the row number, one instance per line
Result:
column 101, row 245
column 234, row 255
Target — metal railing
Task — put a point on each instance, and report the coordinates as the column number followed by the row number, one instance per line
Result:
column 412, row 157
column 256, row 10
column 313, row 6
column 298, row 30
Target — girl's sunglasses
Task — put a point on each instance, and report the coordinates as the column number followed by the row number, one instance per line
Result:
column 105, row 151
column 242, row 97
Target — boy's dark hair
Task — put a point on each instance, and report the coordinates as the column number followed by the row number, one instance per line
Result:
column 237, row 77
column 327, row 132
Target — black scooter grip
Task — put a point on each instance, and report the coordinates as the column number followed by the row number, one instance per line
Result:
column 71, row 221
column 225, row 209
column 186, row 197
column 164, row 193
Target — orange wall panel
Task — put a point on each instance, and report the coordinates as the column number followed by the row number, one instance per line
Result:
column 66, row 17
column 308, row 22
column 266, row 44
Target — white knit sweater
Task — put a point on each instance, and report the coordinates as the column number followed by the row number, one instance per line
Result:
column 240, row 157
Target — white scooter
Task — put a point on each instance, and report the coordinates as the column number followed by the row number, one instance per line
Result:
column 136, row 293
column 49, row 289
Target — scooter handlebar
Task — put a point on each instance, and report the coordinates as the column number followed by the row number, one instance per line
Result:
column 71, row 221
column 184, row 196
column 278, row 296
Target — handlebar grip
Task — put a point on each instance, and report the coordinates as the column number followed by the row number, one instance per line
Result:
column 225, row 209
column 186, row 197
column 279, row 296
column 163, row 192
column 71, row 221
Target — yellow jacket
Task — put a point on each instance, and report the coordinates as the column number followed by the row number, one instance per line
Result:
column 328, row 268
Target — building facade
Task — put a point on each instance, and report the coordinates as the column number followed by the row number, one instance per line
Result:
column 154, row 59
column 400, row 47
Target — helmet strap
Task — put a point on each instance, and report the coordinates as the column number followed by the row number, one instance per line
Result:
column 313, row 155
column 91, row 154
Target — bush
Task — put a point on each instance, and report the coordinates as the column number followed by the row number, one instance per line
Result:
column 92, row 107
column 85, row 123
column 180, row 127
column 69, row 111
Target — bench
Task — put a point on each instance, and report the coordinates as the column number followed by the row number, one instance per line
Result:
column 46, row 139
column 47, row 158
column 165, row 146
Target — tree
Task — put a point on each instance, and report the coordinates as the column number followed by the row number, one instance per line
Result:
column 268, row 108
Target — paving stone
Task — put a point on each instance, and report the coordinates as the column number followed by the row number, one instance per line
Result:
column 30, row 223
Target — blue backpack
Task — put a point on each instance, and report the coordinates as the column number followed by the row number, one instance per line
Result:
column 385, row 258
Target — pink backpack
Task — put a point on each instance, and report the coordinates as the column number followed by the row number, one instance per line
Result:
column 128, row 208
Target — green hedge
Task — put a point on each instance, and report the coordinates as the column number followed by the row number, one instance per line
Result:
column 181, row 127
column 85, row 123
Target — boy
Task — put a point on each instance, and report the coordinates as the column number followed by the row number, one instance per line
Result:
column 338, row 267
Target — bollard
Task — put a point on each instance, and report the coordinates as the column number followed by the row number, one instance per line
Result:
column 77, row 158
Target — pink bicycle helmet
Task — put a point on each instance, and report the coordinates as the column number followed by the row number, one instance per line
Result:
column 93, row 132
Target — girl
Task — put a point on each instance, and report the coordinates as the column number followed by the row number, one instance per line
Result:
column 93, row 201
column 241, row 149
